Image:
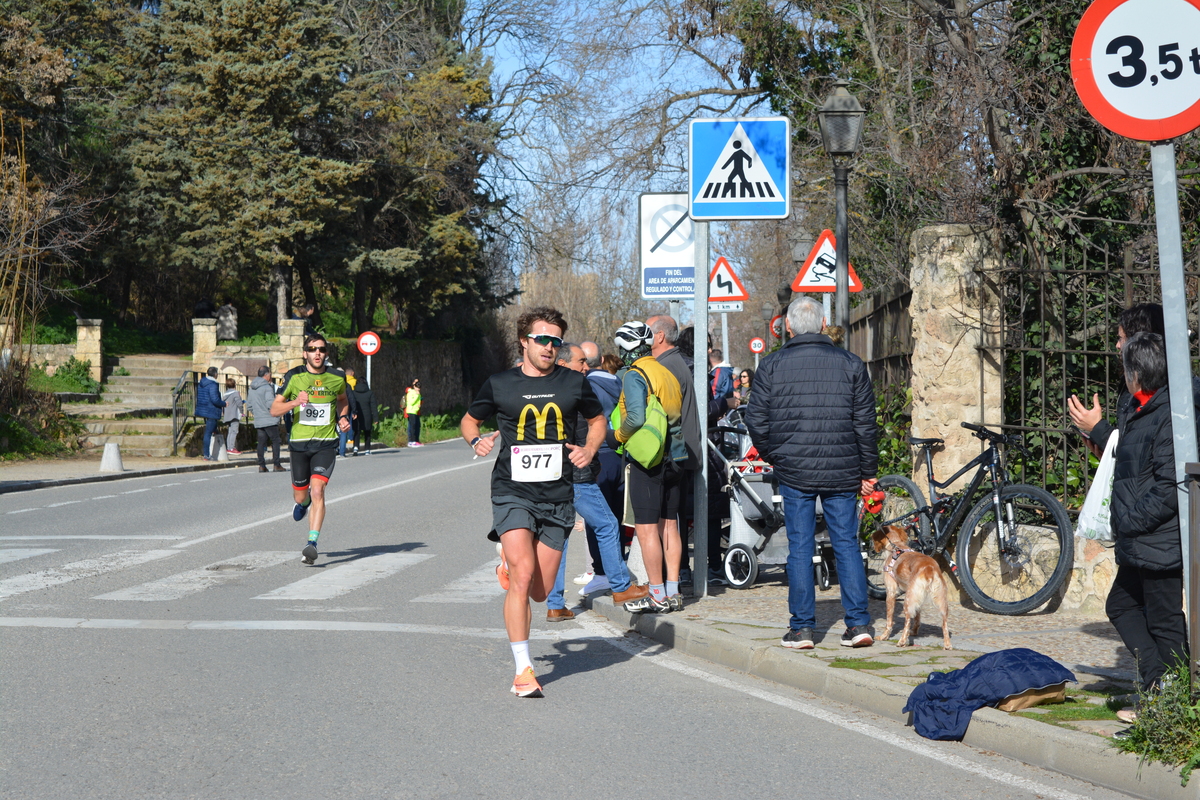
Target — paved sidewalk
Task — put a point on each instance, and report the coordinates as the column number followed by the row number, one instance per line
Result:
column 16, row 476
column 741, row 629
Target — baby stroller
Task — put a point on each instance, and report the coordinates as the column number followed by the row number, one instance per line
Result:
column 756, row 511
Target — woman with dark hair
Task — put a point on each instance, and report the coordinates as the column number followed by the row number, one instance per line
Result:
column 610, row 363
column 742, row 385
column 412, row 412
column 1145, row 603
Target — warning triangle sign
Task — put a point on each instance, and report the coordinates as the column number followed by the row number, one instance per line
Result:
column 819, row 273
column 738, row 175
column 723, row 283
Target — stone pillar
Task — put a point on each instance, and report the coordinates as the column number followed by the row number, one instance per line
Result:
column 88, row 333
column 204, row 342
column 291, row 341
column 956, row 369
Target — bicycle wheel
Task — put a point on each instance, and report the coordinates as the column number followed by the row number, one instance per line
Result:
column 1014, row 568
column 902, row 499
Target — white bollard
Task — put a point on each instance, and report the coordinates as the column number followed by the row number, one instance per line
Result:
column 637, row 567
column 222, row 454
column 111, row 460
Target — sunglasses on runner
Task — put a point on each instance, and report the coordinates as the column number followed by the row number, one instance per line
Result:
column 545, row 339
column 316, row 350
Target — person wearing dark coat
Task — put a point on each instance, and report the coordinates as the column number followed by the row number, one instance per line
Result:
column 208, row 407
column 812, row 416
column 1145, row 603
column 368, row 414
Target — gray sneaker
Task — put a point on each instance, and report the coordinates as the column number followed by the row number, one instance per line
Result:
column 675, row 602
column 798, row 640
column 858, row 636
column 647, row 605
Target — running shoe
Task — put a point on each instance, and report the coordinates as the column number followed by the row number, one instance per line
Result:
column 583, row 578
column 675, row 602
column 234, row 452
column 798, row 640
column 299, row 512
column 526, row 685
column 1128, row 714
column 502, row 568
column 309, row 554
column 647, row 605
column 857, row 636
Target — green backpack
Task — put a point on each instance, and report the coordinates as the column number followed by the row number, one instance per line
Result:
column 648, row 444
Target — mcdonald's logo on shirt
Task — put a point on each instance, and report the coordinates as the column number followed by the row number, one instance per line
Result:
column 540, row 418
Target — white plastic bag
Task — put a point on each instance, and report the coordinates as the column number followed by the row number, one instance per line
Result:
column 1093, row 520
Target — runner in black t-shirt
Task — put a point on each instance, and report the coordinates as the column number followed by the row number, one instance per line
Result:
column 533, row 509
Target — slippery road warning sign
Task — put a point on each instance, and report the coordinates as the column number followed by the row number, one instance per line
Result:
column 740, row 168
column 819, row 271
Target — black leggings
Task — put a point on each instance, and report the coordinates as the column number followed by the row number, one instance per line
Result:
column 1146, row 608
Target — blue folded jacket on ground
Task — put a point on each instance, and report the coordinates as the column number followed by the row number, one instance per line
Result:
column 942, row 706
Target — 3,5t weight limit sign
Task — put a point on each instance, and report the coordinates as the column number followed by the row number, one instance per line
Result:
column 1136, row 66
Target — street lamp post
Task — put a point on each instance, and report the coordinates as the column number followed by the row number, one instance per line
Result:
column 841, row 119
column 768, row 313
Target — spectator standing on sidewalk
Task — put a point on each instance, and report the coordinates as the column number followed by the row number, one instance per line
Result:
column 208, row 408
column 368, row 415
column 259, row 400
column 720, row 375
column 1145, row 603
column 812, row 416
column 232, row 415
column 412, row 412
column 611, row 480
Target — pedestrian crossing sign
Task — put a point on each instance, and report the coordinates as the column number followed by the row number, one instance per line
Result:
column 740, row 168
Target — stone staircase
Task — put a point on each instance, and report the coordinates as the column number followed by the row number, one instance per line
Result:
column 135, row 409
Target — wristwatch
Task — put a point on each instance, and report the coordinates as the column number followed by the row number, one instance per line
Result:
column 476, row 441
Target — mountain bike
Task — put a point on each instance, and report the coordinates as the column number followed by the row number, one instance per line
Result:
column 1015, row 545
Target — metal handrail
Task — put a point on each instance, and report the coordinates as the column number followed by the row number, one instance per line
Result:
column 183, row 398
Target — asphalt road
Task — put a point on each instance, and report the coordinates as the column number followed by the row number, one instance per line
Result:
column 159, row 637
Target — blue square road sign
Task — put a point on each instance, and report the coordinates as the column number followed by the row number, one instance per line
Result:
column 740, row 168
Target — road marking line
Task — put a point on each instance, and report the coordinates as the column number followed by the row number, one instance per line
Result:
column 479, row 586
column 104, row 497
column 658, row 655
column 23, row 510
column 16, row 554
column 101, row 537
column 343, row 498
column 281, row 625
column 165, row 485
column 182, row 584
column 67, row 503
column 137, row 491
column 336, row 581
column 197, row 480
column 89, row 568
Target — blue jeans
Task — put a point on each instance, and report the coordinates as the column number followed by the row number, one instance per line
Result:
column 841, row 518
column 210, row 427
column 591, row 505
column 414, row 428
column 343, row 437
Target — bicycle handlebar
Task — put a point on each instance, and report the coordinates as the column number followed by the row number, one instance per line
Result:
column 1012, row 439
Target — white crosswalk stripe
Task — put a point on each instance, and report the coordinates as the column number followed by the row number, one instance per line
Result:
column 182, row 584
column 479, row 586
column 17, row 553
column 336, row 581
column 89, row 568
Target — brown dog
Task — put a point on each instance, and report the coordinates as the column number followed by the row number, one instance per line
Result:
column 920, row 578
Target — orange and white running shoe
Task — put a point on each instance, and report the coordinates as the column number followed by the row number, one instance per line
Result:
column 526, row 685
column 502, row 568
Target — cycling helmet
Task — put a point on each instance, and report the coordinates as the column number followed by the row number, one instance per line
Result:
column 633, row 341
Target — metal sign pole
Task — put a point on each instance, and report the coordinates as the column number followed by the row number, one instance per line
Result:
column 1179, row 371
column 725, row 336
column 369, row 372
column 700, row 532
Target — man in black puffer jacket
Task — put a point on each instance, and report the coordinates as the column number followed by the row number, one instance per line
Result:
column 1145, row 604
column 812, row 416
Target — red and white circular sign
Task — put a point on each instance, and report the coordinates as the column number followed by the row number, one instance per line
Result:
column 1136, row 66
column 369, row 343
column 777, row 327
column 757, row 345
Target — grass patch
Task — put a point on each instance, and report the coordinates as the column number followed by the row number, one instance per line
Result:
column 257, row 340
column 1071, row 711
column 73, row 376
column 393, row 430
column 860, row 663
column 1168, row 725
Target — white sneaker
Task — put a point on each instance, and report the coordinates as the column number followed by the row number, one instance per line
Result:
column 583, row 577
column 597, row 584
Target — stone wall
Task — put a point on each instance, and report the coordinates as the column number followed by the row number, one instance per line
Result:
column 52, row 355
column 87, row 347
column 246, row 359
column 437, row 364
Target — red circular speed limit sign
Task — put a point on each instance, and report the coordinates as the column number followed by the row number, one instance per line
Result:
column 1136, row 66
column 777, row 327
column 369, row 343
column 757, row 345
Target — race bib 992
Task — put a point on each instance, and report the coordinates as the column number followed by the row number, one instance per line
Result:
column 314, row 414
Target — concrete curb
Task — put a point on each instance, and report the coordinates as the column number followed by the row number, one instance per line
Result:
column 1079, row 755
column 144, row 473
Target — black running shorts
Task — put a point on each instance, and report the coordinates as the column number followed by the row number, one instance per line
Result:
column 314, row 464
column 551, row 523
column 655, row 493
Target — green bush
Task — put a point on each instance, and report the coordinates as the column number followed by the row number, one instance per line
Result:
column 73, row 376
column 1168, row 725
column 257, row 340
column 893, row 413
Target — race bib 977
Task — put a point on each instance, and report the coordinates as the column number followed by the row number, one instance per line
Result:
column 315, row 414
column 536, row 462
